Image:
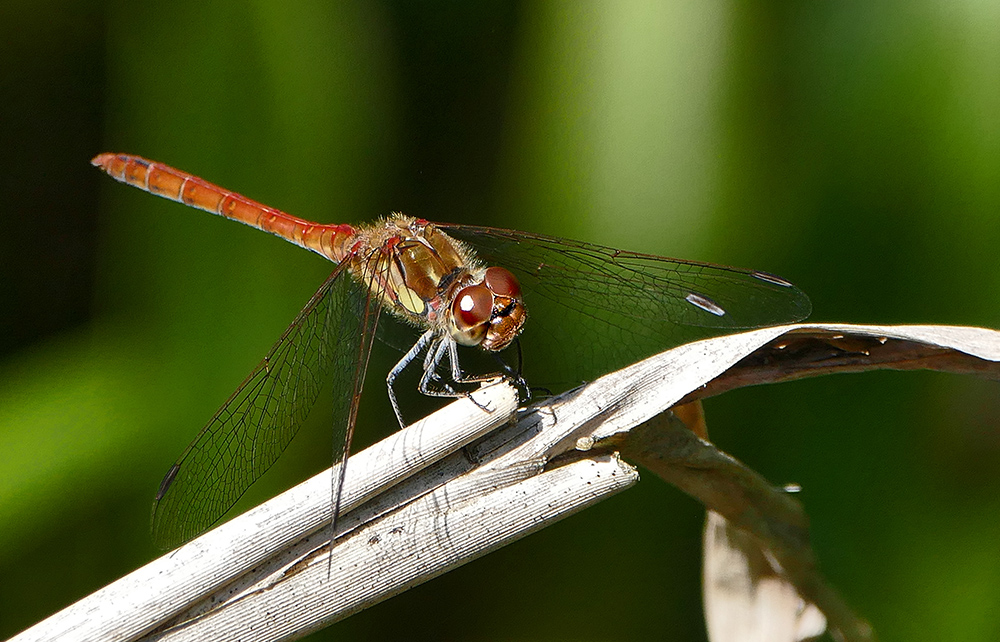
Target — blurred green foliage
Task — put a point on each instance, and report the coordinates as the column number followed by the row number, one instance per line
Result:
column 853, row 148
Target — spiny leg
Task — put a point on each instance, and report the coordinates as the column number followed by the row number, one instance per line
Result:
column 447, row 346
column 390, row 380
column 435, row 354
column 514, row 375
column 505, row 371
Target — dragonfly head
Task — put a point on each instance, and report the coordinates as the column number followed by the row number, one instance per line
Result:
column 488, row 314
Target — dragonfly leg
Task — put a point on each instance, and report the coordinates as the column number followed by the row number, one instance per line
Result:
column 514, row 375
column 390, row 379
column 430, row 383
column 434, row 356
column 456, row 368
column 460, row 377
column 432, row 362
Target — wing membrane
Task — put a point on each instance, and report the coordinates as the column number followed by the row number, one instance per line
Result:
column 350, row 371
column 253, row 427
column 593, row 309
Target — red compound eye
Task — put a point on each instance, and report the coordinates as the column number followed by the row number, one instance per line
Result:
column 501, row 282
column 472, row 307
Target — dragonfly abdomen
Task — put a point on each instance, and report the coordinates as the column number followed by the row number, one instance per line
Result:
column 331, row 241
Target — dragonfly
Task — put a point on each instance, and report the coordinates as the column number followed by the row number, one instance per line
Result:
column 462, row 290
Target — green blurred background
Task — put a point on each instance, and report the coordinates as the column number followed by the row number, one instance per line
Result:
column 853, row 148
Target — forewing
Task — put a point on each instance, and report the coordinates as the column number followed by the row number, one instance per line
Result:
column 350, row 367
column 251, row 429
column 593, row 309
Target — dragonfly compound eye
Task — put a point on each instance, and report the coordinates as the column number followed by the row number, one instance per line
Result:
column 501, row 282
column 470, row 313
column 508, row 313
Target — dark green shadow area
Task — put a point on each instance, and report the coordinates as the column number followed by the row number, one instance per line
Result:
column 854, row 150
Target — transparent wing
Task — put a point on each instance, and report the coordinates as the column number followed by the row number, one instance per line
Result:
column 349, row 371
column 251, row 430
column 593, row 309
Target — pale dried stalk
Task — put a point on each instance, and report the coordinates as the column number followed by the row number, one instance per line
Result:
column 263, row 575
